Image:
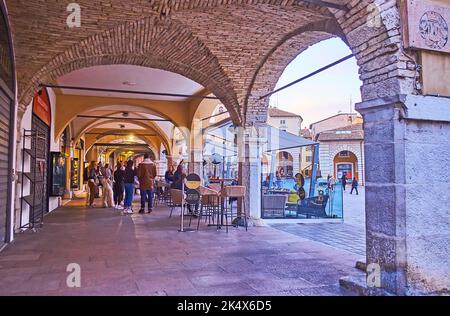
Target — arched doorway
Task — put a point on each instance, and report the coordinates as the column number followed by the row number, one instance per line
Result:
column 345, row 163
column 285, row 165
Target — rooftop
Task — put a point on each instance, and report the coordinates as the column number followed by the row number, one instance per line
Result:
column 333, row 116
column 274, row 112
column 350, row 132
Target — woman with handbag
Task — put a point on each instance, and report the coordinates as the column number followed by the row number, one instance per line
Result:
column 93, row 189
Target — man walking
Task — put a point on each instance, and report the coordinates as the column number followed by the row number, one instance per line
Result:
column 344, row 180
column 146, row 173
column 354, row 186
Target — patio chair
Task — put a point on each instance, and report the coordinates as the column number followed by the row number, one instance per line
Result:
column 210, row 204
column 177, row 199
column 274, row 204
column 234, row 192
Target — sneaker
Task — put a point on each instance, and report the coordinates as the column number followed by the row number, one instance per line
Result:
column 141, row 211
column 129, row 211
column 119, row 207
column 149, row 211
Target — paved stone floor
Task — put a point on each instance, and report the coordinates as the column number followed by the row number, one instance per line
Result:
column 146, row 255
column 348, row 236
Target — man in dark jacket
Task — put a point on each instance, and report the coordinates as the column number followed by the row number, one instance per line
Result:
column 146, row 174
column 354, row 186
column 344, row 180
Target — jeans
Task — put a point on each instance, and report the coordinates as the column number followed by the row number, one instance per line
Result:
column 147, row 195
column 118, row 193
column 129, row 194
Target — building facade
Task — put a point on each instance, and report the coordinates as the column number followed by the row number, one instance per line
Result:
column 341, row 149
column 239, row 59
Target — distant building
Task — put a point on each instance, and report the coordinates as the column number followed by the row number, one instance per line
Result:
column 286, row 121
column 288, row 162
column 306, row 154
column 341, row 139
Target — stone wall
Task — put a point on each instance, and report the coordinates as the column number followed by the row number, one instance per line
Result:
column 427, row 200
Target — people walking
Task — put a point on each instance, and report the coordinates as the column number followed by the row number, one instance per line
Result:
column 128, row 180
column 107, row 197
column 354, row 186
column 344, row 181
column 331, row 183
column 92, row 185
column 118, row 186
column 146, row 174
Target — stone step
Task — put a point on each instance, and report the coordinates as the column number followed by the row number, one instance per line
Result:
column 357, row 285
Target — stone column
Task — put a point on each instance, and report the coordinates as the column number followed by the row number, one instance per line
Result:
column 407, row 145
column 196, row 148
column 250, row 170
column 196, row 162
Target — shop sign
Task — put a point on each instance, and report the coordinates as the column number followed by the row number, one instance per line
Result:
column 41, row 106
column 193, row 181
column 426, row 25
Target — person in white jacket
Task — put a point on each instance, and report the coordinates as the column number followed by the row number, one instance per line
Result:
column 107, row 197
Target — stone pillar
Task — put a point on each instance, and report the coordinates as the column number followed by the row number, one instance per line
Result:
column 250, row 170
column 196, row 162
column 407, row 145
column 196, row 148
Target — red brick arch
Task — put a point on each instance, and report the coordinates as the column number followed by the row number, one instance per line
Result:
column 378, row 50
column 150, row 42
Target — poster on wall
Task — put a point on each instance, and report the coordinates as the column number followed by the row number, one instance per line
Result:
column 58, row 174
column 75, row 174
column 426, row 25
column 41, row 106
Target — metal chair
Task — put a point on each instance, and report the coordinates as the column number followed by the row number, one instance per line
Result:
column 274, row 204
column 210, row 204
column 177, row 201
column 176, row 198
column 237, row 192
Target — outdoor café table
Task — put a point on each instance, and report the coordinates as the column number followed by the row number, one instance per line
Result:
column 222, row 199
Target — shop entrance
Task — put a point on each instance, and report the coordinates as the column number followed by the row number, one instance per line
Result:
column 6, row 127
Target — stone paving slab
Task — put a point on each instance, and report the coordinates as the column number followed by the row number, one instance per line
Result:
column 146, row 255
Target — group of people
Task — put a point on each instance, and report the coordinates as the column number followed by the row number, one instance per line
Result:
column 119, row 186
column 354, row 183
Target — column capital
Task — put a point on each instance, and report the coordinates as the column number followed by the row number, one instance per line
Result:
column 413, row 107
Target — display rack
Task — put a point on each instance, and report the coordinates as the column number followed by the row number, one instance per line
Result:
column 36, row 199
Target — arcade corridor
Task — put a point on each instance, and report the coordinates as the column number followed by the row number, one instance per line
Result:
column 146, row 255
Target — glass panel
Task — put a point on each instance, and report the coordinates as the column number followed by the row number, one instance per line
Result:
column 58, row 177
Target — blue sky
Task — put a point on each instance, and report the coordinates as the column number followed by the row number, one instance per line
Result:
column 336, row 89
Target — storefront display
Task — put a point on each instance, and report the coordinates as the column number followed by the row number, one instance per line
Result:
column 75, row 174
column 58, row 175
column 286, row 192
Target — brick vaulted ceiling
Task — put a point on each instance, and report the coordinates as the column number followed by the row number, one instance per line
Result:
column 221, row 44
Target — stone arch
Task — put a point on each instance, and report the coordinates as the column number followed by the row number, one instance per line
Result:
column 149, row 42
column 102, row 106
column 349, row 148
column 379, row 80
column 151, row 145
column 165, row 140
